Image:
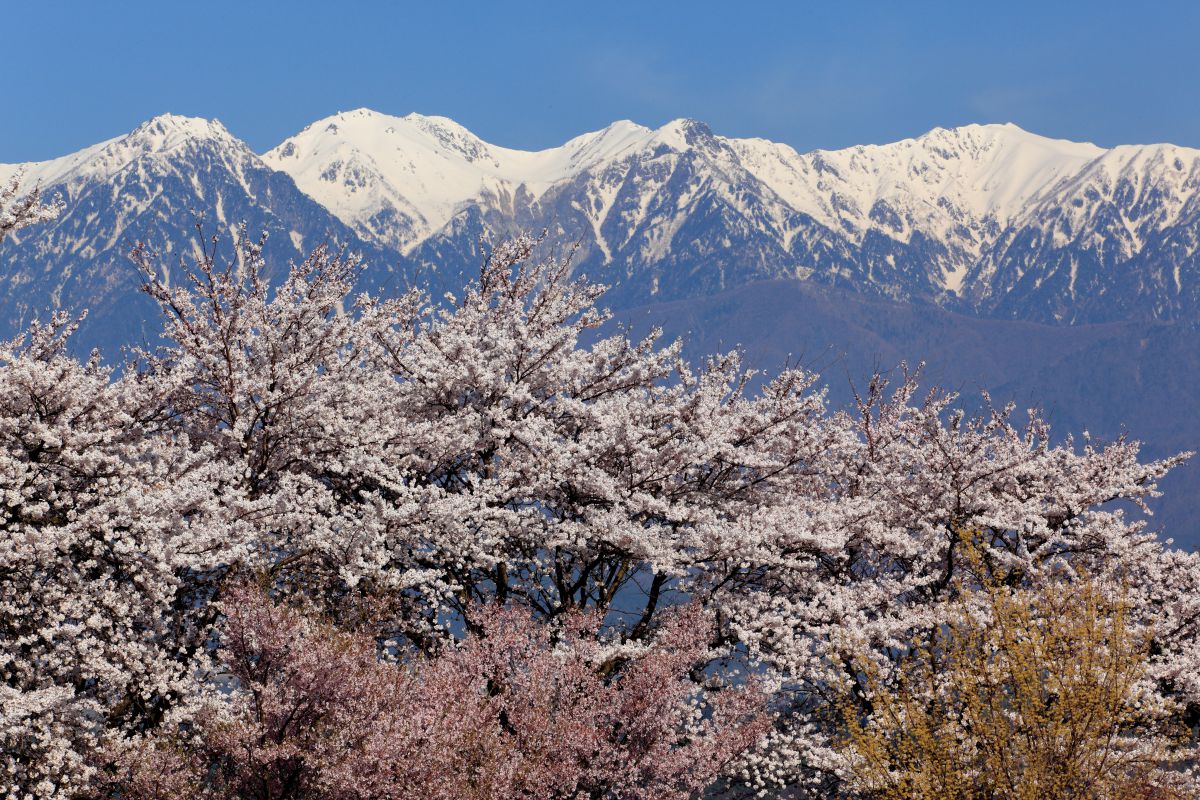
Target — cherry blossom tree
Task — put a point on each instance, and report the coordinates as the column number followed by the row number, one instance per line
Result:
column 403, row 466
column 438, row 456
column 520, row 710
column 103, row 523
column 108, row 527
column 874, row 564
column 453, row 453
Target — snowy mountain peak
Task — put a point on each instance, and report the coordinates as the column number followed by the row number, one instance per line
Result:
column 164, row 136
column 171, row 136
column 170, row 130
column 682, row 134
column 365, row 129
column 613, row 141
column 395, row 178
column 957, row 185
column 400, row 179
column 984, row 142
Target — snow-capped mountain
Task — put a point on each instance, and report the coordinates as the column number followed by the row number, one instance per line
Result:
column 402, row 179
column 153, row 185
column 958, row 187
column 658, row 213
column 988, row 217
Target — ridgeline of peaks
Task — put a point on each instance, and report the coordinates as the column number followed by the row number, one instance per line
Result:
column 988, row 219
column 401, row 179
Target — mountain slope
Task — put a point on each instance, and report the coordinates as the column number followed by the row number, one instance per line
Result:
column 959, row 187
column 1120, row 239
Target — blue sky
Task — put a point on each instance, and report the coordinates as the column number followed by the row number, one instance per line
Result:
column 534, row 74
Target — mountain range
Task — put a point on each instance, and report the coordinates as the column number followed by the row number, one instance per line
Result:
column 989, row 219
column 1056, row 273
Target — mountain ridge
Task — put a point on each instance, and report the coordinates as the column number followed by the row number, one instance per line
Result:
column 935, row 216
column 984, row 219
